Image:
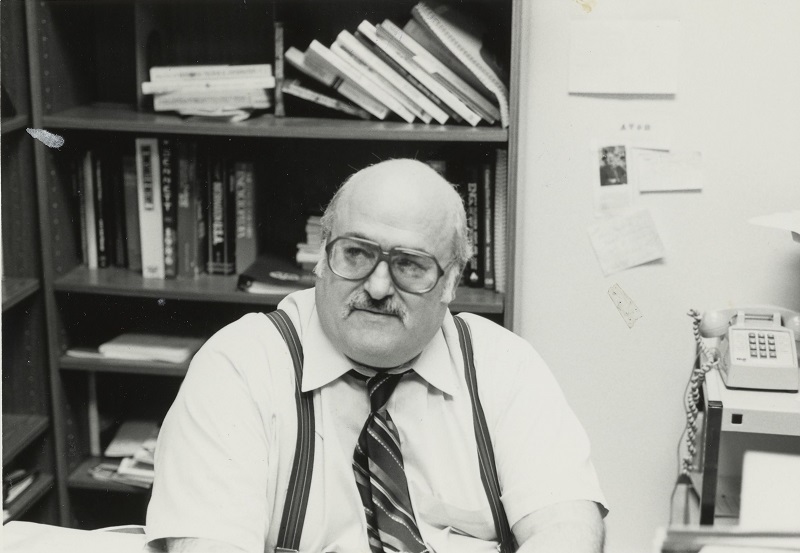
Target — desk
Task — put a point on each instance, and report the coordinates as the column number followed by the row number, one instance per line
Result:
column 29, row 537
column 735, row 421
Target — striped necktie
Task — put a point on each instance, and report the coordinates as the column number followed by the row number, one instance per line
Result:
column 380, row 477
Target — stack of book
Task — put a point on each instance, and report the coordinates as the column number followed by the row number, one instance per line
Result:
column 15, row 483
column 134, row 445
column 167, row 209
column 434, row 69
column 226, row 91
column 135, row 346
column 308, row 252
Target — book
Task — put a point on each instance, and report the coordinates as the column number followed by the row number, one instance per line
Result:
column 169, row 204
column 463, row 36
column 15, row 483
column 100, row 212
column 151, row 232
column 270, row 274
column 500, row 218
column 319, row 56
column 349, row 90
column 473, row 273
column 293, row 87
column 132, row 238
column 218, row 198
column 436, row 47
column 280, row 75
column 131, row 436
column 140, row 346
column 424, row 73
column 444, row 75
column 487, row 175
column 190, row 207
column 117, row 212
column 441, row 113
column 199, row 86
column 245, row 205
column 212, row 99
column 88, row 210
column 417, row 102
column 374, row 86
column 210, row 72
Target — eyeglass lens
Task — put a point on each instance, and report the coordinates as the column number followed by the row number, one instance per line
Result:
column 356, row 259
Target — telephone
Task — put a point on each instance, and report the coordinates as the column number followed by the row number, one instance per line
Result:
column 757, row 346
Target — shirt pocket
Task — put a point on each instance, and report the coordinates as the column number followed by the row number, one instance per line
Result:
column 476, row 523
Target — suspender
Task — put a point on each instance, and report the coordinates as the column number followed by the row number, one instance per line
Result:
column 294, row 509
column 485, row 452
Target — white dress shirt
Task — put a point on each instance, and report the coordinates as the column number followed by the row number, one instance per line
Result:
column 225, row 450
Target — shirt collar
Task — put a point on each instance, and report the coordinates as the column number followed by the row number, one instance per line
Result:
column 323, row 363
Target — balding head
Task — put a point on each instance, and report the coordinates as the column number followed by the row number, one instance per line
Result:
column 401, row 190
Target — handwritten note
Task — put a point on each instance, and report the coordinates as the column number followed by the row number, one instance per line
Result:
column 625, row 240
column 666, row 171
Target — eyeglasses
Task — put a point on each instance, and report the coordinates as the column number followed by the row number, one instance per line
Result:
column 412, row 271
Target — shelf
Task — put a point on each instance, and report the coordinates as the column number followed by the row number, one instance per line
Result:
column 29, row 497
column 15, row 123
column 19, row 431
column 16, row 290
column 123, row 366
column 122, row 282
column 119, row 117
column 80, row 479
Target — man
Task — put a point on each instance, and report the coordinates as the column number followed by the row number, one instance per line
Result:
column 395, row 244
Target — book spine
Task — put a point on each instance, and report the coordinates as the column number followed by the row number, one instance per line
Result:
column 406, row 58
column 230, row 218
column 362, row 78
column 473, row 273
column 488, row 226
column 132, row 237
column 169, row 206
column 363, row 52
column 500, row 218
column 78, row 188
column 163, row 87
column 442, row 112
column 187, row 247
column 118, row 216
column 101, row 212
column 88, row 202
column 227, row 99
column 246, row 240
column 210, row 72
column 201, row 208
column 294, row 89
column 280, row 106
column 151, row 230
column 216, row 222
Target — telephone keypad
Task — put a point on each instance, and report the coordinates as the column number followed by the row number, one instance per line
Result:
column 758, row 348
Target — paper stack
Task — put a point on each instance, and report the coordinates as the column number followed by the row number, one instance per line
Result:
column 135, row 346
column 308, row 252
column 135, row 445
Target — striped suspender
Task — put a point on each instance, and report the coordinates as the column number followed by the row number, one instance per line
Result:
column 485, row 453
column 294, row 510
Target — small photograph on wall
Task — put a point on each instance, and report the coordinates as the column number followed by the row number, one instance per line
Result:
column 613, row 166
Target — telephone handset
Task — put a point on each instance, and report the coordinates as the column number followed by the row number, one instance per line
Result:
column 757, row 346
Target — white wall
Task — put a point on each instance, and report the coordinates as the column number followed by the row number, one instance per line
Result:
column 739, row 104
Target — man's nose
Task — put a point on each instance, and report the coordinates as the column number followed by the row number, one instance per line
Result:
column 379, row 284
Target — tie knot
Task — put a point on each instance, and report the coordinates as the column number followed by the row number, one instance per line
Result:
column 380, row 387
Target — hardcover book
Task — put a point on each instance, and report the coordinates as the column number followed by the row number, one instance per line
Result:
column 148, row 171
column 270, row 274
column 169, row 205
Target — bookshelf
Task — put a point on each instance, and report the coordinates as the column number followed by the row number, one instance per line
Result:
column 87, row 60
column 28, row 437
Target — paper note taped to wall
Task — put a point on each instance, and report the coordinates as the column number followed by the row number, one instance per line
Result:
column 624, row 304
column 666, row 170
column 624, row 57
column 625, row 240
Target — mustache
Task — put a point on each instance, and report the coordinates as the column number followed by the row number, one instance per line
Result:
column 386, row 306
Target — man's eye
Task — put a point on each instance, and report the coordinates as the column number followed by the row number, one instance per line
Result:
column 355, row 252
column 410, row 265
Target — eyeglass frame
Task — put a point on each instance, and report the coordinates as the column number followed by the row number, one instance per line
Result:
column 386, row 256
